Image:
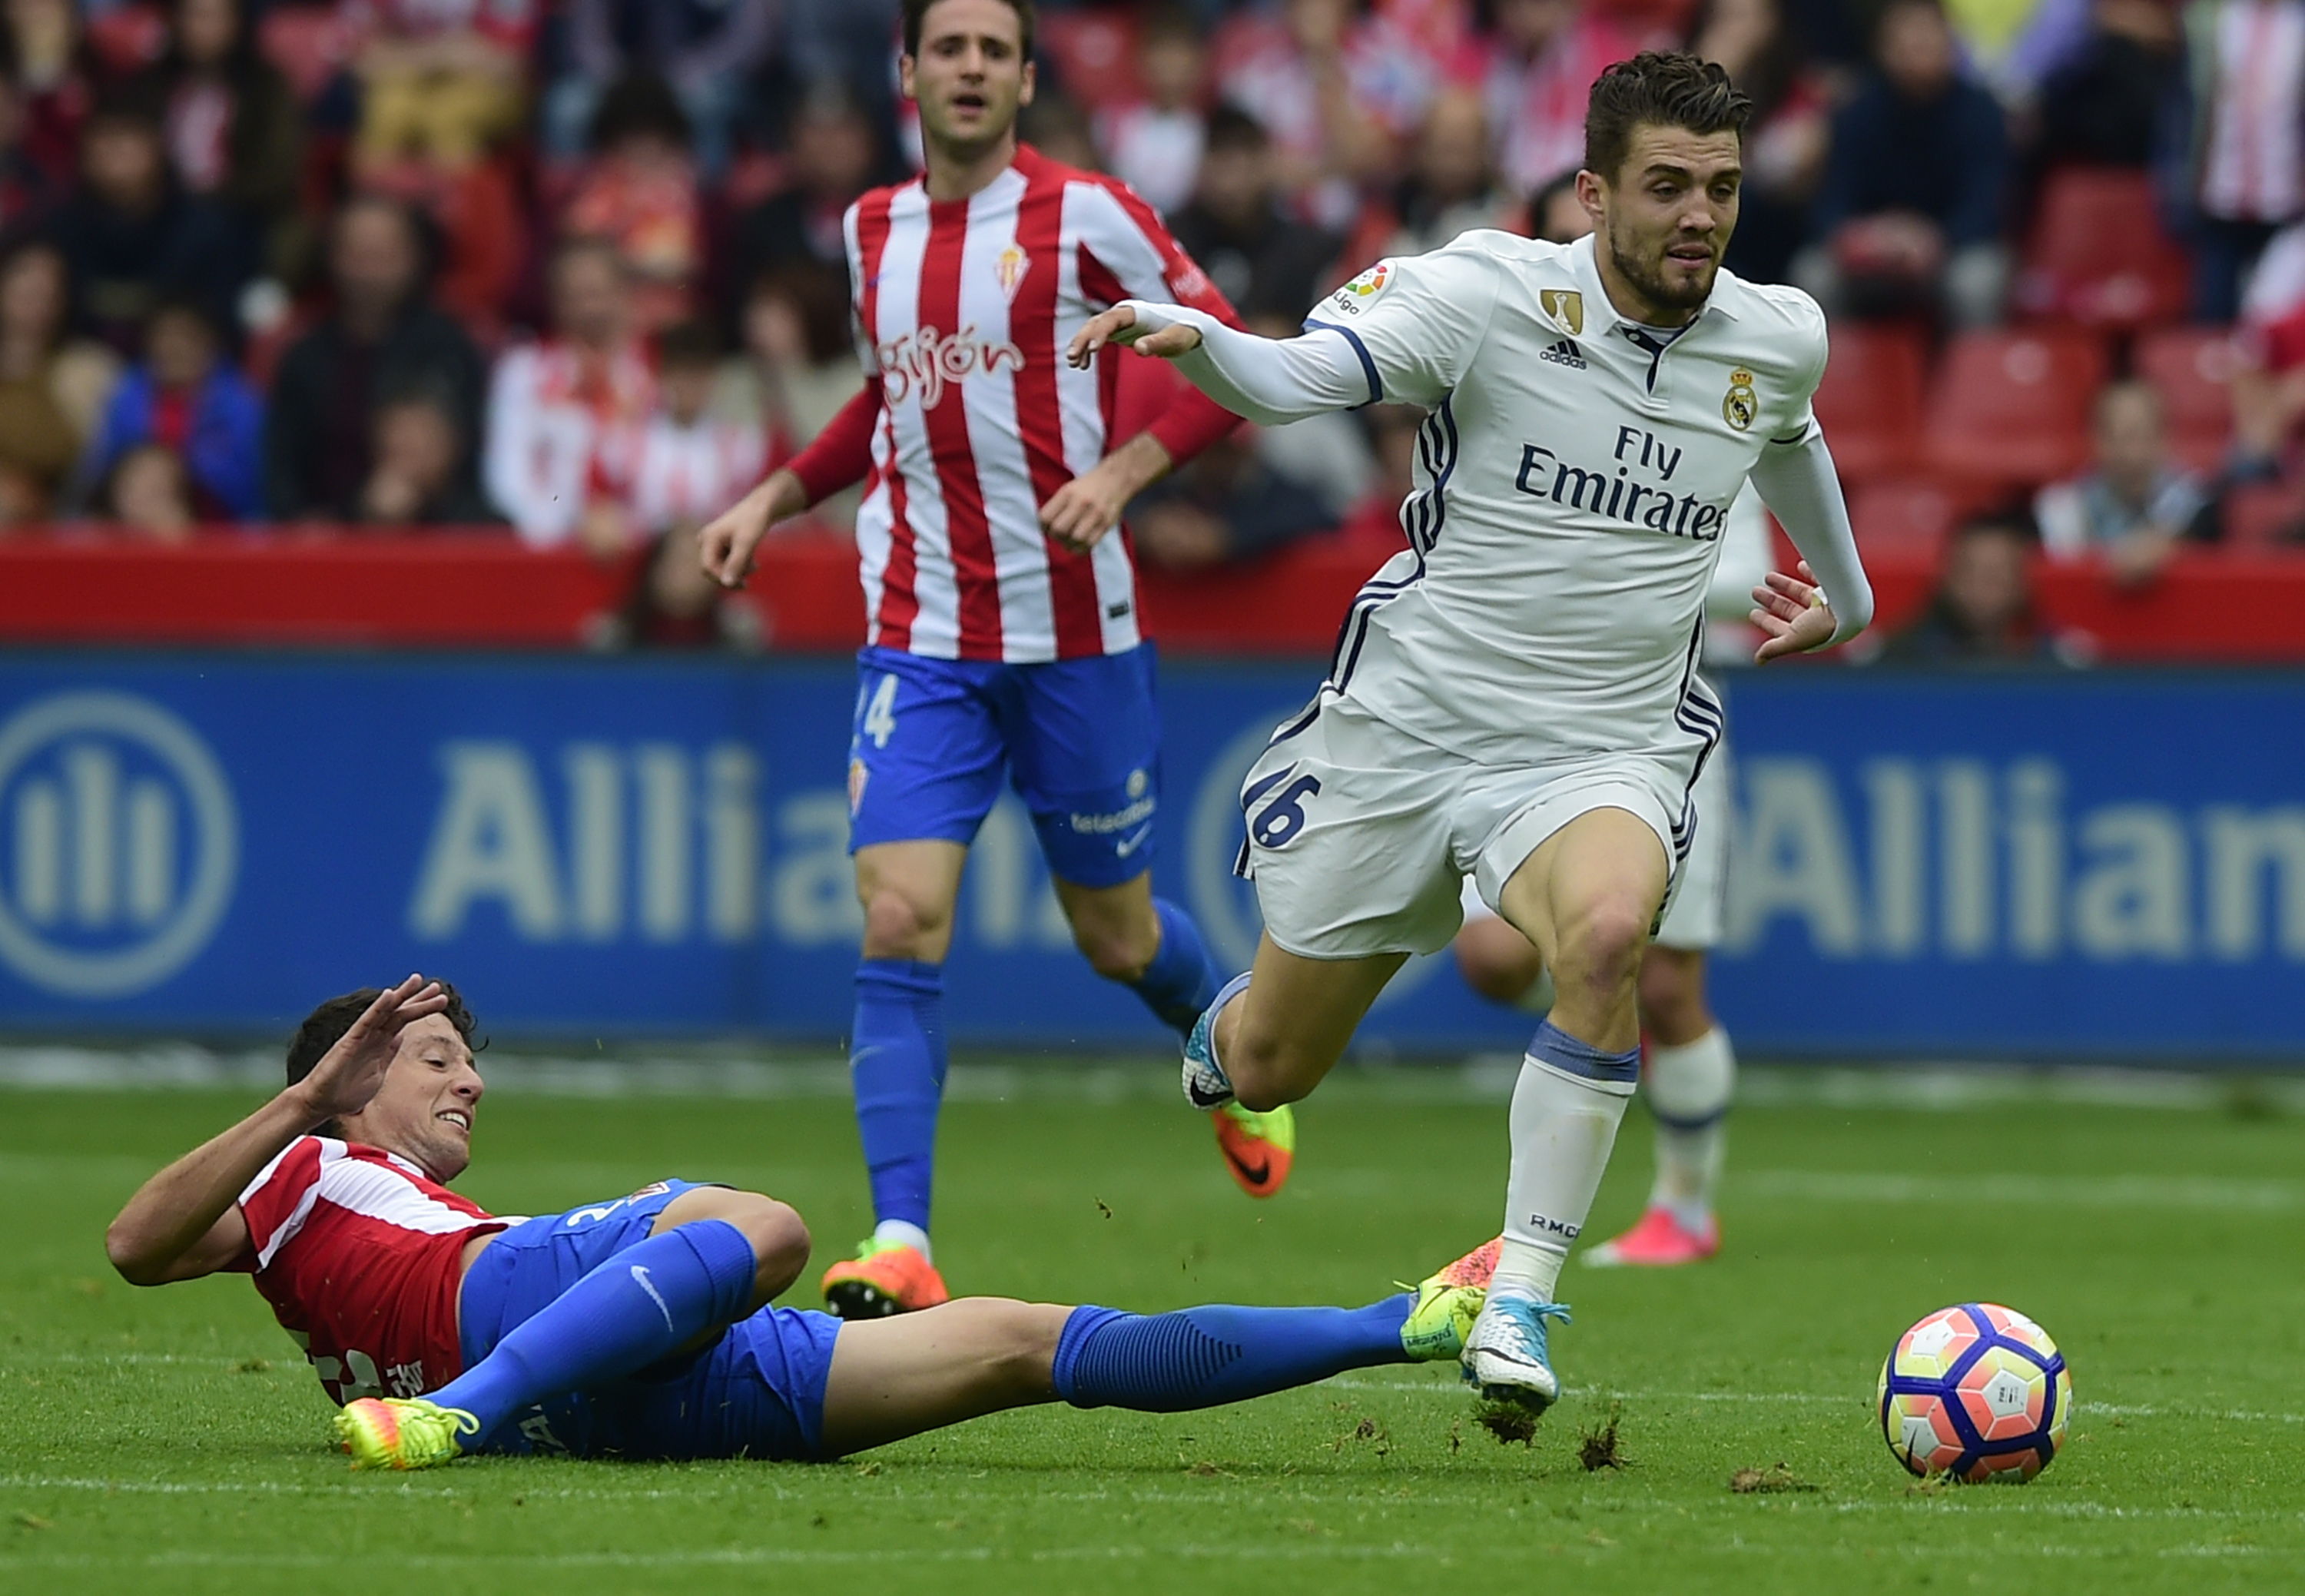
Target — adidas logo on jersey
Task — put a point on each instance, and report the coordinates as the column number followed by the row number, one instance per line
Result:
column 1565, row 354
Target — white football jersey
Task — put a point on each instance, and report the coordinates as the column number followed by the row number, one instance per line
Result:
column 1572, row 483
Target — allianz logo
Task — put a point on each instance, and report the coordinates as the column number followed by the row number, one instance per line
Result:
column 594, row 842
column 119, row 844
column 1959, row 858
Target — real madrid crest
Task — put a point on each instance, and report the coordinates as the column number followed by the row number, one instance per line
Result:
column 1740, row 405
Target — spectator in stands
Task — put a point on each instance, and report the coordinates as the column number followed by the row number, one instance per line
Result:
column 1055, row 124
column 422, row 475
column 2246, row 80
column 1153, row 145
column 131, row 233
column 674, row 605
column 1542, row 67
column 709, row 51
column 1556, row 215
column 1787, row 138
column 835, row 155
column 1392, row 444
column 441, row 81
column 52, row 391
column 2101, row 105
column 1337, row 88
column 1983, row 612
column 687, row 464
column 1261, row 259
column 149, row 493
column 186, row 397
column 26, row 190
column 55, row 77
column 382, row 336
column 234, row 129
column 798, row 368
column 1227, row 505
column 2136, row 503
column 1910, row 211
column 640, row 193
column 1450, row 187
column 563, row 414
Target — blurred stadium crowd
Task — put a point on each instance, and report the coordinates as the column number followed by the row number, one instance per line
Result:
column 574, row 265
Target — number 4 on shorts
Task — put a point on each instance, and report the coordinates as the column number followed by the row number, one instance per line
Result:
column 1276, row 824
column 879, row 712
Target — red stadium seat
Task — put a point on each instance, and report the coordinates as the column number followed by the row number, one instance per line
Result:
column 1908, row 517
column 1094, row 53
column 309, row 44
column 1870, row 400
column 2013, row 407
column 2098, row 256
column 2192, row 367
column 2261, row 515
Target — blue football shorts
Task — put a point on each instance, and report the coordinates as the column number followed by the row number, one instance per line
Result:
column 757, row 1392
column 1080, row 740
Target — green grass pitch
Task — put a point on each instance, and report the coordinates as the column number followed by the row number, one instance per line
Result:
column 171, row 1440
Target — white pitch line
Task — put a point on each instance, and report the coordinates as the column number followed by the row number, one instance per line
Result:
column 1862, row 1401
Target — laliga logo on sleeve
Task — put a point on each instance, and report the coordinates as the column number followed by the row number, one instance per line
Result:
column 119, row 844
column 1357, row 293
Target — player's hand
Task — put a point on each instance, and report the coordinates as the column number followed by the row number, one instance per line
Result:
column 1793, row 614
column 1118, row 326
column 350, row 1074
column 729, row 540
column 1081, row 512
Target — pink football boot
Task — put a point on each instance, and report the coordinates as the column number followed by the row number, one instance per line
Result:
column 1658, row 1241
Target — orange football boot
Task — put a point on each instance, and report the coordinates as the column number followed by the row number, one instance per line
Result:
column 1258, row 1147
column 884, row 1277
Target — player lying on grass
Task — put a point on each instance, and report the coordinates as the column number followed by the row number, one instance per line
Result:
column 639, row 1327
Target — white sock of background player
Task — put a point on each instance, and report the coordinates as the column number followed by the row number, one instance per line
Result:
column 1566, row 1108
column 1688, row 1090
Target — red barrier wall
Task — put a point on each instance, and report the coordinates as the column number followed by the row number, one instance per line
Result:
column 458, row 590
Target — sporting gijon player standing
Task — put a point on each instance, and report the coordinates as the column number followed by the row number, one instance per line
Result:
column 1003, row 624
column 1514, row 697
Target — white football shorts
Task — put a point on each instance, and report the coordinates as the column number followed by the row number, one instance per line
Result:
column 1698, row 911
column 1360, row 834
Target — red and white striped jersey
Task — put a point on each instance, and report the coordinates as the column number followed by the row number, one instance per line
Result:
column 963, row 308
column 683, row 475
column 359, row 1252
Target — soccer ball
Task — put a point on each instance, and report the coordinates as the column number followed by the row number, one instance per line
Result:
column 1976, row 1392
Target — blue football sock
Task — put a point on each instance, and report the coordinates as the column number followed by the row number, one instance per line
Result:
column 1203, row 1357
column 1182, row 979
column 896, row 1060
column 637, row 1308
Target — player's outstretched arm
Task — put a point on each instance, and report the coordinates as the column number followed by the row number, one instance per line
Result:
column 1269, row 380
column 185, row 1222
column 1798, row 482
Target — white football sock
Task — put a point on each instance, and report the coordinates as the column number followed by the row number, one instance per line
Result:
column 1562, row 1128
column 903, row 1234
column 1689, row 1089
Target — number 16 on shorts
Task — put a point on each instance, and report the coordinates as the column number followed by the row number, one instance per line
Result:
column 1275, row 820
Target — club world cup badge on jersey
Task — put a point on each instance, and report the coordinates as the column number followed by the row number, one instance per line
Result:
column 1564, row 307
column 1010, row 269
column 1740, row 405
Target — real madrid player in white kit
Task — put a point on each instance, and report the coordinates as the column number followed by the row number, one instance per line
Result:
column 1514, row 697
column 1688, row 1072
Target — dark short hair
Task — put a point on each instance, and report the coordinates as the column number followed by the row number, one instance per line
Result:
column 916, row 13
column 638, row 104
column 1231, row 128
column 687, row 344
column 1658, row 88
column 325, row 1026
